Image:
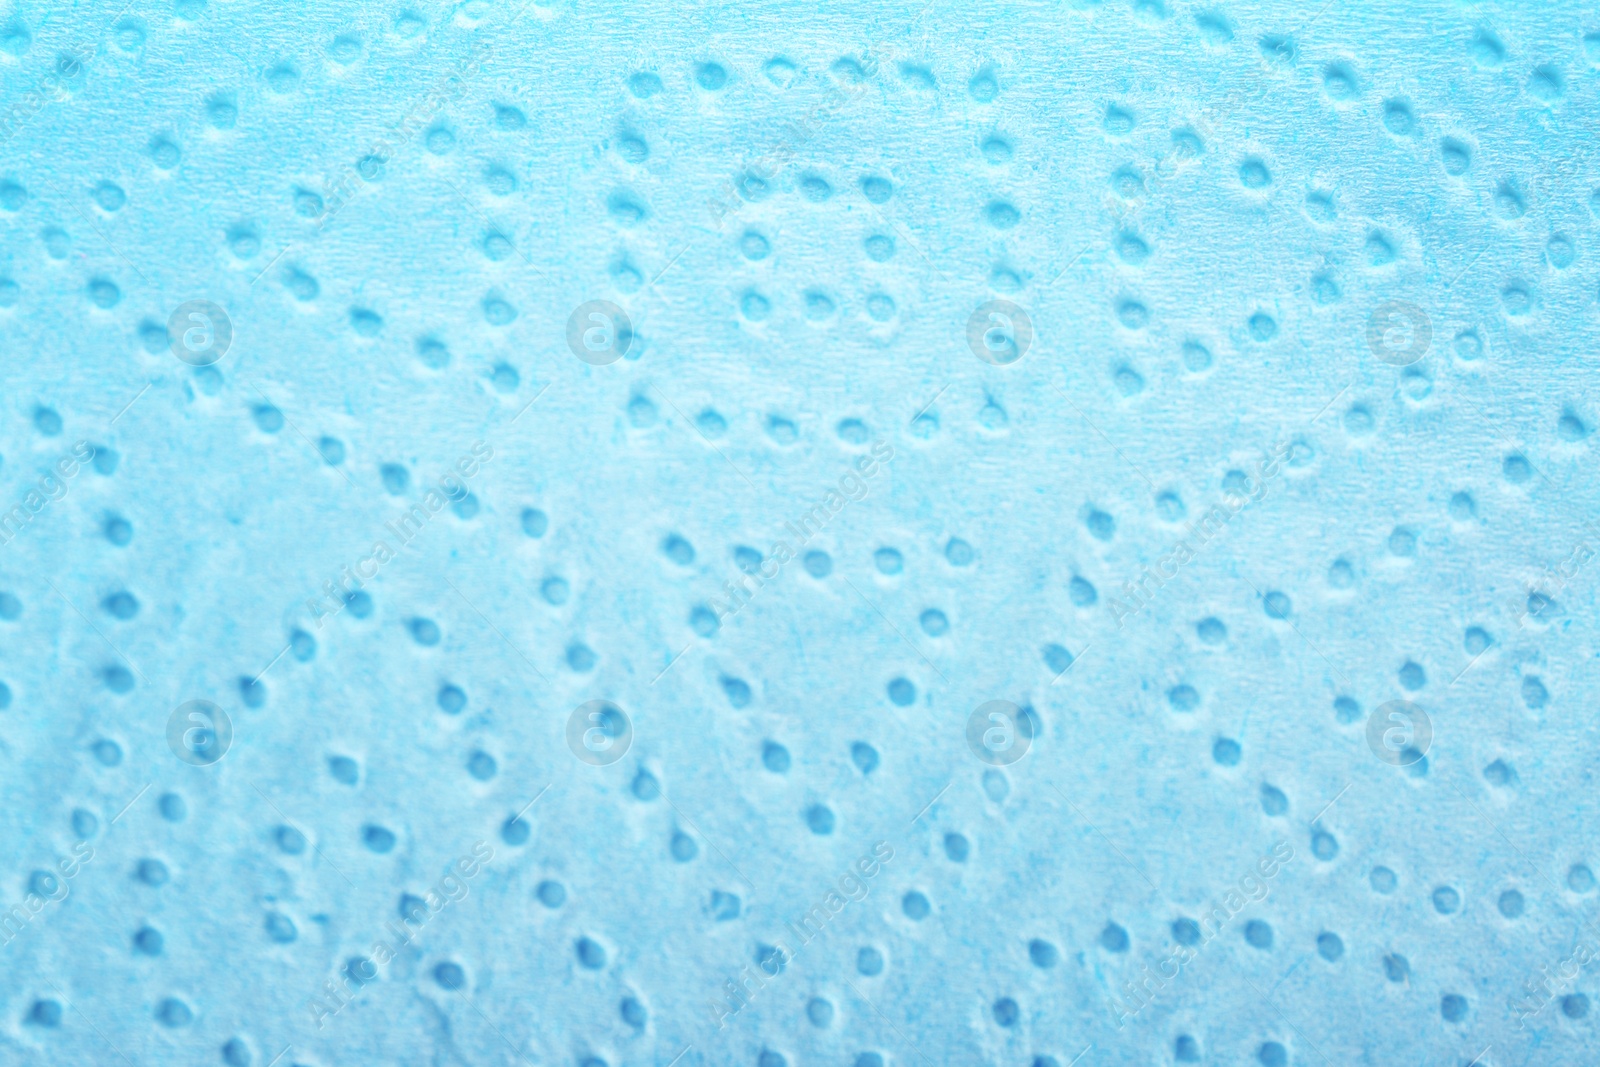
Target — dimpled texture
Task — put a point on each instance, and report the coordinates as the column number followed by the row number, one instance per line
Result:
column 1287, row 415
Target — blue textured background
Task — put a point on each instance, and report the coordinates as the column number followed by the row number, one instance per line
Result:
column 1200, row 210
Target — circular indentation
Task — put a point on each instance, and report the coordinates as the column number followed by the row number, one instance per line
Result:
column 1132, row 314
column 291, row 842
column 104, row 294
column 151, row 872
column 599, row 332
column 775, row 757
column 599, row 733
column 379, row 839
column 644, row 85
column 820, row 819
column 1273, row 802
column 864, row 756
column 1339, row 81
column 999, row 332
column 1580, row 879
column 818, row 564
column 163, row 153
column 1114, row 938
column 1487, row 50
column 755, row 307
column 173, row 1013
column 1399, row 332
column 1559, row 251
column 754, row 246
column 711, row 76
column 1511, row 904
column 1476, row 641
column 815, row 188
column 1001, row 215
column 199, row 332
column 1516, row 299
column 632, row 148
column 147, row 941
column 451, row 699
column 109, row 196
column 1446, row 900
column 676, row 548
column 1398, row 118
column 902, row 694
column 590, row 953
column 1253, row 174
column 1399, row 733
column 996, row 149
column 780, row 72
column 439, row 140
column 199, row 733
column 1132, row 249
column 1183, row 698
column 449, row 975
column 280, row 929
column 819, row 306
column 1263, row 327
column 1000, row 733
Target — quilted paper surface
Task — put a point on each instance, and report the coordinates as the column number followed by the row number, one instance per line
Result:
column 1029, row 533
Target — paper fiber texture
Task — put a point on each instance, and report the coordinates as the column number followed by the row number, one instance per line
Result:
column 777, row 534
